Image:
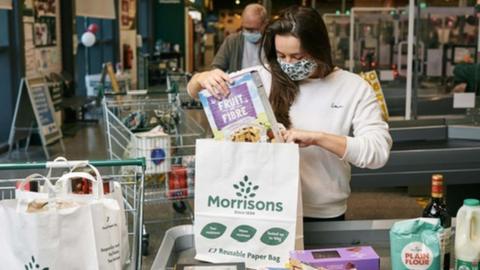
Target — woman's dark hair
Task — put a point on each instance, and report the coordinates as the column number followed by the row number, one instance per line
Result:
column 307, row 25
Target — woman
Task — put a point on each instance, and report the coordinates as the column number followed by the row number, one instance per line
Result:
column 331, row 113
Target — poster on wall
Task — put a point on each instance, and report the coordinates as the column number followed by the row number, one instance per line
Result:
column 45, row 26
column 45, row 8
column 127, row 14
column 45, row 31
column 128, row 41
column 47, row 59
column 28, row 8
column 28, row 11
column 42, row 48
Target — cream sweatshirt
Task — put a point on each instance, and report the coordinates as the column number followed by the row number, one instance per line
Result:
column 341, row 104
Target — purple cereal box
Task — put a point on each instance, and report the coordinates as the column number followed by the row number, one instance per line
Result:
column 351, row 258
column 239, row 104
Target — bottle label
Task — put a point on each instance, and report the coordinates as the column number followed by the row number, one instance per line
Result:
column 437, row 191
column 437, row 187
column 464, row 265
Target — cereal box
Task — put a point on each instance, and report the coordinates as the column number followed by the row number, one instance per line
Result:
column 243, row 116
column 350, row 258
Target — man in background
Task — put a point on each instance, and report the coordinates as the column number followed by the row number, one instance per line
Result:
column 241, row 50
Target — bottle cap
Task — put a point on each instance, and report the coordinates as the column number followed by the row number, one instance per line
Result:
column 471, row 202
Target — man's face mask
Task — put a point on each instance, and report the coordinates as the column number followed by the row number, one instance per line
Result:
column 252, row 37
column 299, row 70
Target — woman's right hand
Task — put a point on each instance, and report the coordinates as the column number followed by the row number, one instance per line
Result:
column 216, row 82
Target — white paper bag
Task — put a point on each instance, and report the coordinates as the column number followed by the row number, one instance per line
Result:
column 117, row 195
column 83, row 234
column 26, row 196
column 246, row 198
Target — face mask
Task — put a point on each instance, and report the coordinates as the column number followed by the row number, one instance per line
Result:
column 252, row 37
column 299, row 70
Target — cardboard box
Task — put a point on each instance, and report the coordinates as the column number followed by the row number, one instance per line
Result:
column 352, row 258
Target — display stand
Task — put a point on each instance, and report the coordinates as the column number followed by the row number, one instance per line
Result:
column 34, row 113
column 107, row 70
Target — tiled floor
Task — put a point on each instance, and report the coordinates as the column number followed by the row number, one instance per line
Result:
column 89, row 143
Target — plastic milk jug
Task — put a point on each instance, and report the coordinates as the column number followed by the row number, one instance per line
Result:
column 467, row 236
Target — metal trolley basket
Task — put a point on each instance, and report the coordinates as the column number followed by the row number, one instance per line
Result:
column 111, row 170
column 169, row 157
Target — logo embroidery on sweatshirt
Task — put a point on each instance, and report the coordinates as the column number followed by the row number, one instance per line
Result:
column 336, row 106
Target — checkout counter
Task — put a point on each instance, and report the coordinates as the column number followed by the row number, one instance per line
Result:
column 420, row 149
column 424, row 147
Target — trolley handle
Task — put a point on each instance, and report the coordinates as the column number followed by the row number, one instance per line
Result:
column 68, row 164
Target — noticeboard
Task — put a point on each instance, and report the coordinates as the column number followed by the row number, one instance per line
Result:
column 43, row 109
column 34, row 111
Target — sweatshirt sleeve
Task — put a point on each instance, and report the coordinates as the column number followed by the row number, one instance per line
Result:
column 371, row 142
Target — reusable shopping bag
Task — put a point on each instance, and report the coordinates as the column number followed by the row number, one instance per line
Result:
column 69, row 232
column 246, row 199
column 116, row 194
column 27, row 196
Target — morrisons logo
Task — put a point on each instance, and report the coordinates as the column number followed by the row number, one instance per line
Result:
column 245, row 191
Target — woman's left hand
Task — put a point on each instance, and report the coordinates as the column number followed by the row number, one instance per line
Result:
column 302, row 137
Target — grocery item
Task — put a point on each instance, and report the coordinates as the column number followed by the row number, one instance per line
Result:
column 210, row 266
column 350, row 258
column 438, row 209
column 415, row 244
column 154, row 145
column 177, row 185
column 467, row 236
column 134, row 120
column 372, row 79
column 245, row 115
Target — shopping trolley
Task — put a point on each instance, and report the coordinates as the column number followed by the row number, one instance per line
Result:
column 177, row 90
column 111, row 170
column 169, row 158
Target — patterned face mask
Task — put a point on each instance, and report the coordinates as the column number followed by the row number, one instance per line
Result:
column 299, row 70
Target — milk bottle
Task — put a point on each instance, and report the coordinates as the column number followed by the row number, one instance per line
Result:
column 467, row 236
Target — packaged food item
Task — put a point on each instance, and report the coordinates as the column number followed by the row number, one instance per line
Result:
column 177, row 185
column 32, row 186
column 243, row 116
column 372, row 79
column 415, row 244
column 155, row 146
column 210, row 266
column 467, row 236
column 36, row 206
column 84, row 186
column 350, row 258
